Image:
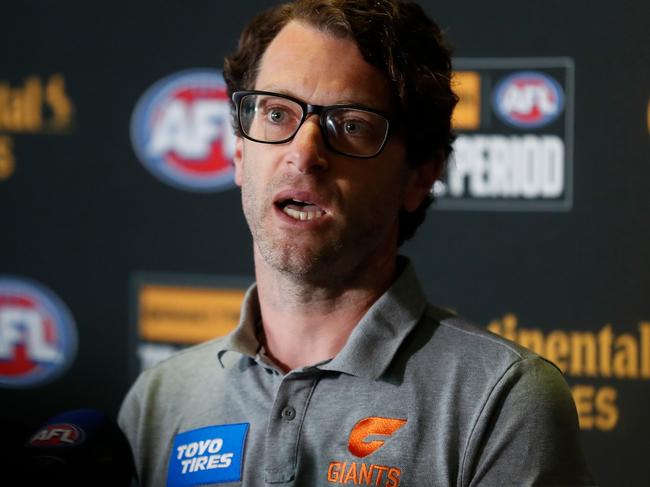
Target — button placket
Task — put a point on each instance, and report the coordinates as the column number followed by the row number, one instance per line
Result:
column 283, row 431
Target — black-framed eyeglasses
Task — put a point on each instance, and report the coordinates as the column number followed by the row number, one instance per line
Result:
column 273, row 118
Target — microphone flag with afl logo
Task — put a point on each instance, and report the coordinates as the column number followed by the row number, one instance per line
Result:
column 77, row 449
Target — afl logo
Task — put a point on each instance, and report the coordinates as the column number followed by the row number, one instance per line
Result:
column 181, row 131
column 60, row 434
column 38, row 338
column 528, row 99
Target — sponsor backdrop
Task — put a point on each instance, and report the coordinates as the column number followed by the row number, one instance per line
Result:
column 123, row 239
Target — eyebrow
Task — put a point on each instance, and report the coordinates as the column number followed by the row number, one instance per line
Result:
column 345, row 101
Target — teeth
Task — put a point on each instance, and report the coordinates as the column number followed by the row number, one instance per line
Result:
column 303, row 215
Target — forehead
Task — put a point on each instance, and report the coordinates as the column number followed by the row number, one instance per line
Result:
column 321, row 68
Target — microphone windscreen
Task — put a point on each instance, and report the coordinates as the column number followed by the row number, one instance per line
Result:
column 81, row 447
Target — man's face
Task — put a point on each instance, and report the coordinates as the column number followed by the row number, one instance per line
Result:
column 313, row 212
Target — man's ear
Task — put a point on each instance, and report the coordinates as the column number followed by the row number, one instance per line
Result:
column 420, row 183
column 238, row 160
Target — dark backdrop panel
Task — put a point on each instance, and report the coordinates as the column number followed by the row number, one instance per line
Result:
column 82, row 216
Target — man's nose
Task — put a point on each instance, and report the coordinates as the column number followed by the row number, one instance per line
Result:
column 307, row 149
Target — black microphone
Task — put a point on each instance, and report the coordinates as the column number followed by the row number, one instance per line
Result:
column 78, row 448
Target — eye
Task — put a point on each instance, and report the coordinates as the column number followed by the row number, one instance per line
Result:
column 354, row 127
column 277, row 115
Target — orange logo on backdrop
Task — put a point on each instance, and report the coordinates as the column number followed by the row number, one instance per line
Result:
column 467, row 114
column 187, row 314
column 360, row 446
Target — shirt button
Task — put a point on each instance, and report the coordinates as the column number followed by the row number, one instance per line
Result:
column 288, row 413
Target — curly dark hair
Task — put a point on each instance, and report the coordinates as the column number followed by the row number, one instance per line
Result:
column 400, row 40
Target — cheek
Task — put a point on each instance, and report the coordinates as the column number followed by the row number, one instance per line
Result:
column 389, row 185
column 376, row 197
column 249, row 202
column 248, row 186
column 257, row 189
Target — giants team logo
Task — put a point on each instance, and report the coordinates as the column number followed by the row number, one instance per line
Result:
column 38, row 338
column 528, row 99
column 366, row 437
column 360, row 444
column 60, row 434
column 181, row 131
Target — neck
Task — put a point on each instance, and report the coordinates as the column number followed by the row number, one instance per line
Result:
column 306, row 323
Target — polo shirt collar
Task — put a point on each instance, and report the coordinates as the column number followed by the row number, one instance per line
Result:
column 243, row 339
column 373, row 342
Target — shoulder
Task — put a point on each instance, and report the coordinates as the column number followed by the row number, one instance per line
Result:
column 481, row 372
column 462, row 341
column 163, row 395
column 203, row 354
column 170, row 385
column 513, row 400
column 182, row 370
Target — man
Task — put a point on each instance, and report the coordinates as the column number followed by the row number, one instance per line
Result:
column 339, row 371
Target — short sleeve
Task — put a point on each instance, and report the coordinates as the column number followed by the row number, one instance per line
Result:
column 527, row 432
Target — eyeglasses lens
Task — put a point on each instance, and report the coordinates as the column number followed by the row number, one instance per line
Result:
column 351, row 131
column 354, row 131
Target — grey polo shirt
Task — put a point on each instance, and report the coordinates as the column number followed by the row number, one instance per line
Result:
column 417, row 397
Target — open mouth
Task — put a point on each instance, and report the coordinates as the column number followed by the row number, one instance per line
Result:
column 300, row 210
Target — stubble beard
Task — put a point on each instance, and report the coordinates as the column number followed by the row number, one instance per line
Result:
column 315, row 265
column 338, row 256
column 287, row 254
column 336, row 259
